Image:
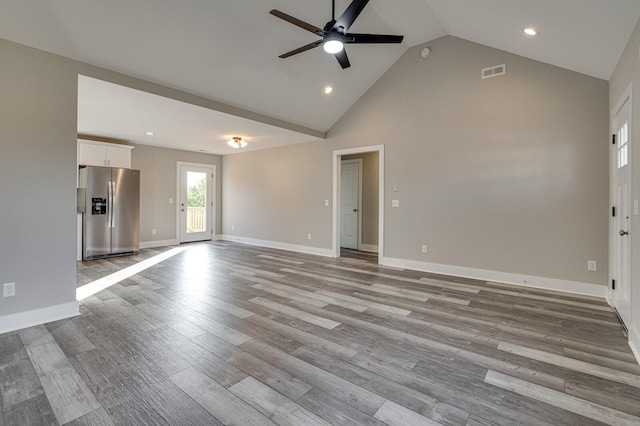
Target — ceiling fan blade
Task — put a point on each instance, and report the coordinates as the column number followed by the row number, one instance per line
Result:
column 342, row 58
column 372, row 38
column 297, row 22
column 301, row 49
column 349, row 16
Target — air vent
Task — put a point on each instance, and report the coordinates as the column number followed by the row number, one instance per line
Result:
column 494, row 71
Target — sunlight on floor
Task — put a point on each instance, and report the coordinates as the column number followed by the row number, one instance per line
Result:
column 106, row 282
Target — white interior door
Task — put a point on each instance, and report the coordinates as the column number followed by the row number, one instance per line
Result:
column 195, row 202
column 621, row 228
column 349, row 205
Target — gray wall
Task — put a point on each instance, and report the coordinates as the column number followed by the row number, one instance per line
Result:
column 369, row 196
column 158, row 184
column 627, row 72
column 278, row 194
column 507, row 174
column 37, row 178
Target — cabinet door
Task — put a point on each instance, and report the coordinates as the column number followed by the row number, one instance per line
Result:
column 92, row 155
column 119, row 157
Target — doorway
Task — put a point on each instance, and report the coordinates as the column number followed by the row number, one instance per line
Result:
column 621, row 202
column 349, row 226
column 195, row 207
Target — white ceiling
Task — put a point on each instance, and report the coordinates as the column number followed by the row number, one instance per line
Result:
column 115, row 112
column 227, row 50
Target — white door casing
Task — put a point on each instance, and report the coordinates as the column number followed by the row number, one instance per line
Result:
column 349, row 203
column 337, row 156
column 195, row 222
column 621, row 198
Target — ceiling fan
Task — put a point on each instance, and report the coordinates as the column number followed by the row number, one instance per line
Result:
column 334, row 34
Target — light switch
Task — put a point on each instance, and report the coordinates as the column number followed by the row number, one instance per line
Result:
column 395, row 188
column 395, row 203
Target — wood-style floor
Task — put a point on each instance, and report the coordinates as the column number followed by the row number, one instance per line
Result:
column 224, row 333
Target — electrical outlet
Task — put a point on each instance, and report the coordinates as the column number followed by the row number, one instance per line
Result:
column 9, row 290
column 308, row 236
column 170, row 200
column 153, row 231
column 395, row 203
column 424, row 248
column 592, row 265
column 326, row 203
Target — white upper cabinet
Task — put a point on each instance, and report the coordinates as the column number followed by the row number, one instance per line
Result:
column 92, row 153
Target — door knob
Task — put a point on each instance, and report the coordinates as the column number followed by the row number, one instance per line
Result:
column 623, row 233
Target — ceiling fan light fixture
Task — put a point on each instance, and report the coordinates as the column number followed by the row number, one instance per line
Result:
column 333, row 46
column 236, row 142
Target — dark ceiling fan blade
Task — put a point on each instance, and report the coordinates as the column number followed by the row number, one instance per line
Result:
column 302, row 49
column 297, row 22
column 342, row 58
column 349, row 16
column 372, row 38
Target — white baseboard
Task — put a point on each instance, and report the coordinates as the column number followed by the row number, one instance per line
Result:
column 501, row 277
column 369, row 248
column 26, row 319
column 634, row 342
column 278, row 245
column 609, row 296
column 159, row 243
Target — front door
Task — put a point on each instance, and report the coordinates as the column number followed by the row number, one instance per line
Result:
column 195, row 203
column 349, row 205
column 622, row 221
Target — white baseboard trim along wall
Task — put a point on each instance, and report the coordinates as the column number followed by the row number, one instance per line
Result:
column 369, row 248
column 500, row 277
column 159, row 243
column 634, row 342
column 278, row 245
column 26, row 319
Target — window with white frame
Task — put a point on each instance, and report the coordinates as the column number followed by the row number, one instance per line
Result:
column 623, row 145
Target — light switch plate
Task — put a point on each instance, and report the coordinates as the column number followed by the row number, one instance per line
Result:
column 395, row 203
column 395, row 188
column 592, row 265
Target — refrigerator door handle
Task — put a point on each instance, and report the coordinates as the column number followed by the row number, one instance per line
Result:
column 113, row 199
column 110, row 205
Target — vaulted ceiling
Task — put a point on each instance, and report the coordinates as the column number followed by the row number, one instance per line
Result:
column 227, row 50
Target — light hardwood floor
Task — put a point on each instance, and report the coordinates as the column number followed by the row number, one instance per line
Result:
column 224, row 333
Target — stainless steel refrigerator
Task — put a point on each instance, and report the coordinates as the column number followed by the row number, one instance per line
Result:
column 109, row 199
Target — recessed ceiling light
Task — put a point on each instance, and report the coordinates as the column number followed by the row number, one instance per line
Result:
column 148, row 133
column 328, row 90
column 530, row 31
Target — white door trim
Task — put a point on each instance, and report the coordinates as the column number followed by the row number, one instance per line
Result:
column 337, row 168
column 360, row 164
column 212, row 193
column 626, row 96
